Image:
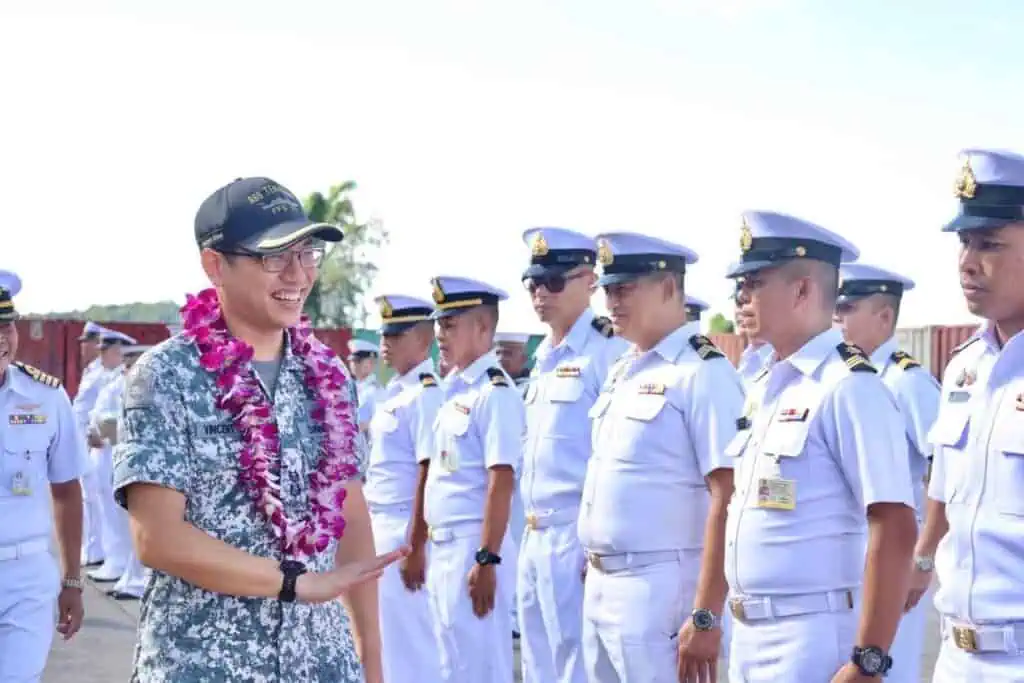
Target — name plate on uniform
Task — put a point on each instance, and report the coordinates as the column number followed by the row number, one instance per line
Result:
column 26, row 419
column 567, row 371
column 793, row 414
column 776, row 494
column 959, row 396
column 652, row 389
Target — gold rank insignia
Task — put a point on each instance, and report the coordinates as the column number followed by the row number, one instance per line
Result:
column 539, row 246
column 428, row 380
column 966, row 184
column 497, row 377
column 37, row 374
column 704, row 347
column 604, row 253
column 746, row 236
column 438, row 292
column 386, row 311
column 855, row 358
column 904, row 360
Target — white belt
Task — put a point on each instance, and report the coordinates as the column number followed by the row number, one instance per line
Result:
column 536, row 519
column 764, row 607
column 617, row 562
column 450, row 532
column 24, row 549
column 976, row 638
column 389, row 508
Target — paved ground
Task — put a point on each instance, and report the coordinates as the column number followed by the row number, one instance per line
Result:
column 102, row 651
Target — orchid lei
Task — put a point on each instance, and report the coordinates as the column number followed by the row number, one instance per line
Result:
column 240, row 393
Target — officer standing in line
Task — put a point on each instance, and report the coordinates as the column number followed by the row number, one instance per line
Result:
column 652, row 518
column 757, row 353
column 363, row 362
column 479, row 436
column 89, row 349
column 868, row 310
column 402, row 443
column 695, row 308
column 976, row 506
column 571, row 364
column 821, row 446
column 41, row 460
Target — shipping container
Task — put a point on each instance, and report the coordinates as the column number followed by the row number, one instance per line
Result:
column 41, row 343
column 732, row 346
column 142, row 333
column 917, row 341
column 944, row 340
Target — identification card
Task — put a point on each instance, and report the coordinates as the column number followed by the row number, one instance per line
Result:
column 20, row 485
column 776, row 494
column 449, row 461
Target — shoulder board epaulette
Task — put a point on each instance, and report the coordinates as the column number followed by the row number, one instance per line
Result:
column 705, row 348
column 428, row 380
column 855, row 358
column 603, row 325
column 498, row 378
column 961, row 347
column 904, row 360
column 38, row 375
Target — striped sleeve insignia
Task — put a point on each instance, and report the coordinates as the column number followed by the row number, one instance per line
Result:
column 498, row 378
column 904, row 360
column 855, row 358
column 38, row 375
column 705, row 348
column 428, row 380
column 604, row 326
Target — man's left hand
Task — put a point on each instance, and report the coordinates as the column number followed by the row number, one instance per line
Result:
column 69, row 612
column 851, row 674
column 698, row 654
column 483, row 583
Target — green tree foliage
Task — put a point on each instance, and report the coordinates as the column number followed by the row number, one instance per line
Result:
column 719, row 324
column 347, row 273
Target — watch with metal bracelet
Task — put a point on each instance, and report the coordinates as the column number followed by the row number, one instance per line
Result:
column 924, row 564
column 71, row 582
column 704, row 619
column 871, row 660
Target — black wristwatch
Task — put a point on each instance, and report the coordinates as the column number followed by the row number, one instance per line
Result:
column 485, row 557
column 292, row 570
column 871, row 660
column 704, row 619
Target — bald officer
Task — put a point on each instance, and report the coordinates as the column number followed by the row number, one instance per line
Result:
column 41, row 460
column 478, row 439
column 402, row 438
column 978, row 464
column 652, row 519
column 571, row 365
column 822, row 447
column 867, row 309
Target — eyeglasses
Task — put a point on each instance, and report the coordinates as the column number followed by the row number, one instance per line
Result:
column 309, row 257
column 554, row 282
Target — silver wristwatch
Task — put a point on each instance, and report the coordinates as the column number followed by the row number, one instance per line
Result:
column 68, row 582
column 924, row 564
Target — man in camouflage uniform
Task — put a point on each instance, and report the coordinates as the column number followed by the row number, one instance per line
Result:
column 224, row 603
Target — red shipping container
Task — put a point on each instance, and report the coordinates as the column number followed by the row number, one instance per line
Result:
column 944, row 340
column 143, row 333
column 732, row 346
column 41, row 343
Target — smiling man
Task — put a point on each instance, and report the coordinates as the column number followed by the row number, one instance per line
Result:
column 239, row 462
column 976, row 492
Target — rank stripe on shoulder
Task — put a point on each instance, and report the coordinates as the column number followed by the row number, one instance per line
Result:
column 428, row 380
column 705, row 348
column 904, row 360
column 38, row 375
column 960, row 347
column 498, row 378
column 855, row 358
column 604, row 326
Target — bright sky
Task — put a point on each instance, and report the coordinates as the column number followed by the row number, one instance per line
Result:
column 466, row 122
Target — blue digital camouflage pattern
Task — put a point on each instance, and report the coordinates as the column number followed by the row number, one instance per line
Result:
column 172, row 434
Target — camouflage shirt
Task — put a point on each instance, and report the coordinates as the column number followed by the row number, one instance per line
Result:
column 172, row 434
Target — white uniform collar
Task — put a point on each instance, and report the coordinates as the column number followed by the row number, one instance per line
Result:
column 20, row 382
column 413, row 376
column 675, row 342
column 880, row 358
column 478, row 367
column 809, row 357
column 576, row 339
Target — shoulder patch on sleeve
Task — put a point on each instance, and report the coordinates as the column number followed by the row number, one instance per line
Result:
column 856, row 360
column 603, row 325
column 963, row 346
column 428, row 380
column 904, row 360
column 38, row 375
column 498, row 378
column 705, row 348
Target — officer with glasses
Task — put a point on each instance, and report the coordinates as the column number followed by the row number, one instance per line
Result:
column 570, row 366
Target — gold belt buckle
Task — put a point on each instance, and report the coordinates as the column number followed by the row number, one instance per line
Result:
column 531, row 521
column 966, row 638
column 595, row 561
column 736, row 607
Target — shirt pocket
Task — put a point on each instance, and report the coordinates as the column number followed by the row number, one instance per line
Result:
column 1008, row 445
column 636, row 423
column 24, row 455
column 452, row 429
column 949, row 435
column 786, row 443
column 564, row 390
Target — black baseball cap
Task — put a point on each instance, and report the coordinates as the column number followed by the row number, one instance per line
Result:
column 257, row 215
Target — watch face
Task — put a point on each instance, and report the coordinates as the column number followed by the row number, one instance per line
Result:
column 871, row 661
column 703, row 620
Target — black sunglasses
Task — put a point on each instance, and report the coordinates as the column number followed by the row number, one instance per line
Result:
column 554, row 282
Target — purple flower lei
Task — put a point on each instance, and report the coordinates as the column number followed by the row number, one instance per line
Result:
column 241, row 395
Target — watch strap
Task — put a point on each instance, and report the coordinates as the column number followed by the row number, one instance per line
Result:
column 291, row 571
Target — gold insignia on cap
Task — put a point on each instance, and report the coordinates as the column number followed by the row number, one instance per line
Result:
column 539, row 245
column 386, row 311
column 438, row 292
column 604, row 253
column 746, row 236
column 800, row 251
column 966, row 183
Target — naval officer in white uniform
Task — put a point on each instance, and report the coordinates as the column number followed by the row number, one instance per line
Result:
column 867, row 309
column 478, row 450
column 362, row 361
column 822, row 447
column 652, row 519
column 41, row 460
column 976, row 492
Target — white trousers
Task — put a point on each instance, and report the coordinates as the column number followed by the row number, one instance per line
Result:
column 408, row 645
column 473, row 650
column 92, row 517
column 134, row 578
column 28, row 616
column 516, row 531
column 549, row 588
column 908, row 646
column 115, row 535
column 957, row 666
column 801, row 649
column 631, row 619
